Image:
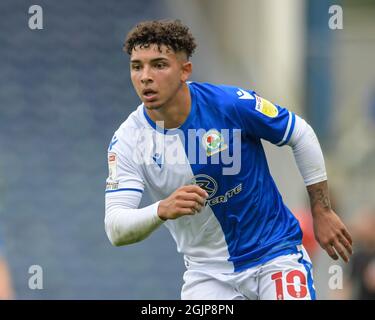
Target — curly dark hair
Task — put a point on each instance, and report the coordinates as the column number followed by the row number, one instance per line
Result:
column 171, row 33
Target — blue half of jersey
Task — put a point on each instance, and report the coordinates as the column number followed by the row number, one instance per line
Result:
column 256, row 223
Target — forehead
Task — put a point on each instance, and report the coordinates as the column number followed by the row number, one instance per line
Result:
column 152, row 52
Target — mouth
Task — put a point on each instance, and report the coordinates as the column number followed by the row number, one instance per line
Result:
column 149, row 94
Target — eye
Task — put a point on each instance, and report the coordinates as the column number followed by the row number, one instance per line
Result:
column 161, row 65
column 136, row 67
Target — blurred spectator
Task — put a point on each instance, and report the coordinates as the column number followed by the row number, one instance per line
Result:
column 362, row 266
column 6, row 288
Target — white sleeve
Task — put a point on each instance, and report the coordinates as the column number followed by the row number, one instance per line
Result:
column 124, row 222
column 124, row 174
column 307, row 153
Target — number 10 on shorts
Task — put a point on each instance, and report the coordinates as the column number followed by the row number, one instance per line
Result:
column 295, row 284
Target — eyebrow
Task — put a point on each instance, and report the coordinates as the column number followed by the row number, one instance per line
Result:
column 152, row 60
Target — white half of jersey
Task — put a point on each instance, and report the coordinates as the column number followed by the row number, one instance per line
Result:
column 200, row 237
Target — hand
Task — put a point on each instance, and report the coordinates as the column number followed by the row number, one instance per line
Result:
column 187, row 200
column 331, row 234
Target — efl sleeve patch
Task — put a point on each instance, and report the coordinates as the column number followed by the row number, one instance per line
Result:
column 262, row 119
column 267, row 108
column 112, row 166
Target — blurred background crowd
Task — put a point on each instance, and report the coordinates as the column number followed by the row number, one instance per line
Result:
column 65, row 89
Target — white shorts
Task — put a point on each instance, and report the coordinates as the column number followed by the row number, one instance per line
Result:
column 287, row 277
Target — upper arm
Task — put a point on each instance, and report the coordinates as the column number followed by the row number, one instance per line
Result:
column 264, row 120
column 123, row 172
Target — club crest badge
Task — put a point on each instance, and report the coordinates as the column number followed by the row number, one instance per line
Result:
column 213, row 142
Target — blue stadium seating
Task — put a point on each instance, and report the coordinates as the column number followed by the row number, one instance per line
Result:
column 64, row 90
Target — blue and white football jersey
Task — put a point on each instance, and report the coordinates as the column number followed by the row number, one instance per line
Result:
column 244, row 222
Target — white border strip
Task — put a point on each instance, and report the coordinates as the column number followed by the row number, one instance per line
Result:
column 286, row 130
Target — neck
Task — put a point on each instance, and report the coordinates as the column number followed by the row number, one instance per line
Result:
column 175, row 111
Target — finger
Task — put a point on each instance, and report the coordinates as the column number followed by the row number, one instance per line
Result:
column 198, row 207
column 331, row 252
column 340, row 250
column 187, row 204
column 348, row 236
column 346, row 244
column 191, row 205
column 197, row 189
column 194, row 197
column 187, row 211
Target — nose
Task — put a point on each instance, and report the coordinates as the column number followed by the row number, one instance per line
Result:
column 146, row 76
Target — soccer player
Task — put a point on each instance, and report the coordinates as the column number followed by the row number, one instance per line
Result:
column 197, row 148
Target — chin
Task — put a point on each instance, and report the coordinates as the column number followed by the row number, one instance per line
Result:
column 152, row 106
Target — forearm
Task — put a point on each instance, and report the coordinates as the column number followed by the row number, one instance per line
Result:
column 329, row 230
column 125, row 224
column 319, row 197
column 310, row 162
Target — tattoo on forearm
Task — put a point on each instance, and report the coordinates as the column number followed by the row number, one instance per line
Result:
column 319, row 195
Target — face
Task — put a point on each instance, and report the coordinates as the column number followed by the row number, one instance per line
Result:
column 158, row 75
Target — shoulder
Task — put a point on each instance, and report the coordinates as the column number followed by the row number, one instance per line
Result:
column 133, row 122
column 224, row 99
column 123, row 137
column 222, row 93
column 220, row 90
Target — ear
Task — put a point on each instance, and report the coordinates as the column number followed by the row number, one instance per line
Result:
column 186, row 70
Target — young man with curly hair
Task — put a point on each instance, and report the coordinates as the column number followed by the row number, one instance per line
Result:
column 197, row 148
